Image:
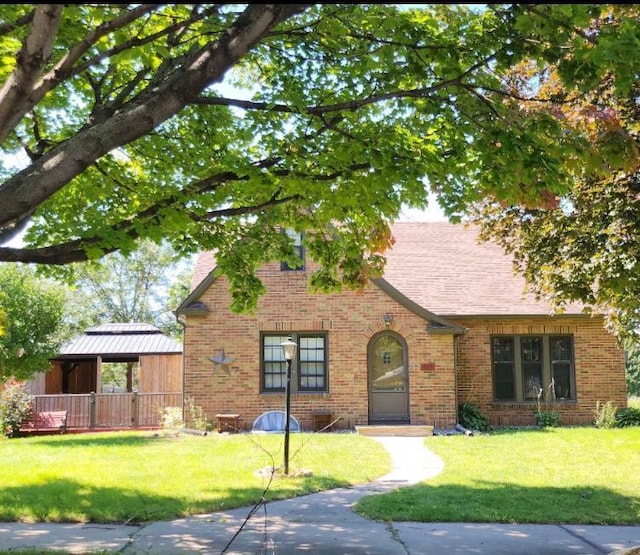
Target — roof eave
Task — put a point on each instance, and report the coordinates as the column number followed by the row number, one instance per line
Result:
column 445, row 330
column 493, row 315
column 197, row 308
column 195, row 295
column 438, row 325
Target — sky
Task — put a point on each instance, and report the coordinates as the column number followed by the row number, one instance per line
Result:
column 433, row 213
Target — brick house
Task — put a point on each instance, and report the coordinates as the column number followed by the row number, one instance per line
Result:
column 448, row 323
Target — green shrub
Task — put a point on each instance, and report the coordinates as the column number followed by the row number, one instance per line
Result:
column 547, row 419
column 16, row 406
column 628, row 417
column 605, row 415
column 470, row 417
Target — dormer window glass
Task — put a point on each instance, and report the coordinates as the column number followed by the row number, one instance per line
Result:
column 298, row 247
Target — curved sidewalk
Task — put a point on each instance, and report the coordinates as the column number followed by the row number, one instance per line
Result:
column 324, row 523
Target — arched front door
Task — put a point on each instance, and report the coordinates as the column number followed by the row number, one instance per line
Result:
column 388, row 379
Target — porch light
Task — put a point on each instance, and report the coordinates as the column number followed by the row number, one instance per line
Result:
column 289, row 349
column 388, row 318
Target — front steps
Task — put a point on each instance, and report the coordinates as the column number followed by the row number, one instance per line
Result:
column 395, row 430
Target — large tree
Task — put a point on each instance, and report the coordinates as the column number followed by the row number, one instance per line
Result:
column 117, row 123
column 145, row 286
column 31, row 314
column 583, row 245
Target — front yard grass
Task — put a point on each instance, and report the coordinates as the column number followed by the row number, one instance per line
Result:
column 128, row 477
column 556, row 475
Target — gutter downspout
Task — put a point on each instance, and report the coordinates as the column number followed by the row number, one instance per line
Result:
column 180, row 318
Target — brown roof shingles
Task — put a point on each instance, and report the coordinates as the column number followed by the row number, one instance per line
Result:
column 443, row 268
column 205, row 263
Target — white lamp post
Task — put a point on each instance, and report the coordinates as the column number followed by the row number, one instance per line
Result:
column 289, row 349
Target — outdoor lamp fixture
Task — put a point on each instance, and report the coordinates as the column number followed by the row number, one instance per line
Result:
column 388, row 318
column 289, row 349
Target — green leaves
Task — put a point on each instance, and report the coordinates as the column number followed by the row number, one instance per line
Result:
column 131, row 288
column 32, row 310
column 339, row 116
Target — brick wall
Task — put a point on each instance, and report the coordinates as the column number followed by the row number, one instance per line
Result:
column 599, row 368
column 350, row 320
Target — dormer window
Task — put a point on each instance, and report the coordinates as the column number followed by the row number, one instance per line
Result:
column 298, row 247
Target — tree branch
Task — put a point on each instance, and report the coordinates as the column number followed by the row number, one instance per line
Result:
column 535, row 11
column 15, row 96
column 75, row 250
column 66, row 67
column 328, row 108
column 8, row 26
column 351, row 105
column 30, row 188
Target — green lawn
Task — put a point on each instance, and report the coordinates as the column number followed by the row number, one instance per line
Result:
column 558, row 475
column 134, row 476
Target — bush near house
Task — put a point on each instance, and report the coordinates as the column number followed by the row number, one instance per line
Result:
column 470, row 416
column 607, row 415
column 628, row 417
column 16, row 406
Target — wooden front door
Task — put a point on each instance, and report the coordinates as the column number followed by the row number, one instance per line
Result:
column 388, row 379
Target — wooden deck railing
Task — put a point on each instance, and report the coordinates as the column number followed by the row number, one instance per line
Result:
column 110, row 410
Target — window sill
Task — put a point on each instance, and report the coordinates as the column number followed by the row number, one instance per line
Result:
column 282, row 392
column 533, row 404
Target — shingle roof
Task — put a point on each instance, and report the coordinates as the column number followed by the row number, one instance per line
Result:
column 121, row 340
column 205, row 263
column 443, row 268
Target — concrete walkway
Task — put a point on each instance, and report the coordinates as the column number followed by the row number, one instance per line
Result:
column 324, row 523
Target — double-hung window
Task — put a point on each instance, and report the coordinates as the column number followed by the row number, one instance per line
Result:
column 528, row 366
column 298, row 249
column 308, row 369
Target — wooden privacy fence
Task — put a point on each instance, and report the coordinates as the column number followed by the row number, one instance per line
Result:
column 110, row 410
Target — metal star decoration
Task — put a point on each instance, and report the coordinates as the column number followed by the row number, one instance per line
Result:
column 221, row 360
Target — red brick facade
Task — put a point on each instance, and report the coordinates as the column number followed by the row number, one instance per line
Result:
column 444, row 368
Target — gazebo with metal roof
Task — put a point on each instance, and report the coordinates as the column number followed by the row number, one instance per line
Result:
column 78, row 366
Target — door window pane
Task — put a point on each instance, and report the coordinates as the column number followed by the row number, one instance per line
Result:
column 388, row 372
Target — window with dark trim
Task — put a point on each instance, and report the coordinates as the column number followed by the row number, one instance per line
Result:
column 523, row 365
column 308, row 369
column 298, row 247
